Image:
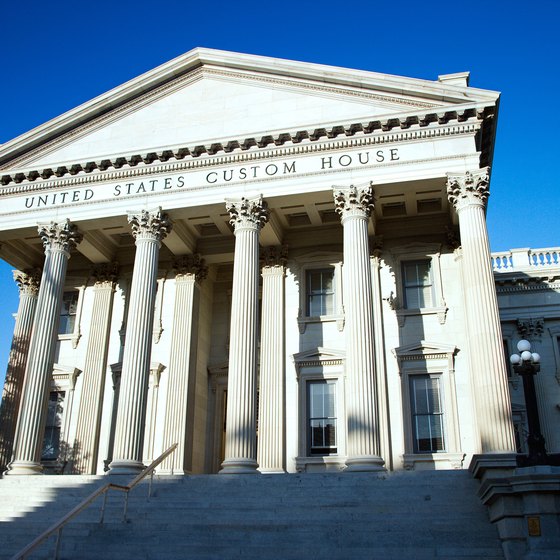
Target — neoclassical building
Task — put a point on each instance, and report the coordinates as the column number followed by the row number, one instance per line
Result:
column 280, row 266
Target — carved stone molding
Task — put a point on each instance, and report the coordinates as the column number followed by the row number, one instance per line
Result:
column 28, row 281
column 150, row 225
column 105, row 274
column 353, row 201
column 190, row 264
column 452, row 238
column 530, row 328
column 62, row 236
column 376, row 246
column 274, row 256
column 249, row 213
column 468, row 188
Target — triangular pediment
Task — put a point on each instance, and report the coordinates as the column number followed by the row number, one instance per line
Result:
column 319, row 355
column 422, row 349
column 214, row 98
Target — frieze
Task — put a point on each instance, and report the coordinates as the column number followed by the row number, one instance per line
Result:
column 144, row 182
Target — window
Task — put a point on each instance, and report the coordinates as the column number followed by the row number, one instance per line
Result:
column 321, row 408
column 507, row 354
column 320, row 292
column 427, row 414
column 68, row 313
column 418, row 285
column 51, row 441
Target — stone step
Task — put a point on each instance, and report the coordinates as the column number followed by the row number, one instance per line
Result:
column 430, row 515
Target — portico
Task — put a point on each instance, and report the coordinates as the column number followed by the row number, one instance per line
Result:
column 264, row 269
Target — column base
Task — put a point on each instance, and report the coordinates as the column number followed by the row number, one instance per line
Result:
column 239, row 466
column 272, row 471
column 24, row 468
column 365, row 463
column 125, row 466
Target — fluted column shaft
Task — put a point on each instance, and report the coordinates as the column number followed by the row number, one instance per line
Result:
column 58, row 240
column 354, row 205
column 86, row 442
column 149, row 228
column 179, row 412
column 247, row 218
column 469, row 193
column 28, row 283
column 271, row 446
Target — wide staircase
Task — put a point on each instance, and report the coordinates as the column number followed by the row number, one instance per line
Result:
column 395, row 516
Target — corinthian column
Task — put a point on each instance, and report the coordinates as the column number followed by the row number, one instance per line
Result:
column 86, row 442
column 28, row 284
column 149, row 229
column 247, row 218
column 271, row 396
column 469, row 193
column 354, row 206
column 179, row 412
column 59, row 240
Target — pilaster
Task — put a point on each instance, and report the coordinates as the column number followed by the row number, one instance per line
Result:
column 28, row 284
column 271, row 444
column 380, row 358
column 248, row 216
column 149, row 229
column 354, row 206
column 86, row 442
column 179, row 414
column 59, row 239
column 469, row 193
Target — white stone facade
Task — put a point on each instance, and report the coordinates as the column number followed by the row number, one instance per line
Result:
column 281, row 266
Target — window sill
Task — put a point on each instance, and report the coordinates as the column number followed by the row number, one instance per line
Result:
column 433, row 461
column 74, row 337
column 304, row 321
column 441, row 313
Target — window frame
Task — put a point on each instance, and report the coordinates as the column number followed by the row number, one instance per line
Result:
column 430, row 359
column 63, row 380
column 406, row 287
column 419, row 252
column 319, row 262
column 320, row 364
column 414, row 415
column 326, row 450
column 76, row 333
column 321, row 294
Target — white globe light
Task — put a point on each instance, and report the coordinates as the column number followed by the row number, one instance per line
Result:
column 515, row 359
column 523, row 345
column 536, row 358
column 526, row 356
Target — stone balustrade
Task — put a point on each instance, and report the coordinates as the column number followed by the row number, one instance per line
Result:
column 526, row 259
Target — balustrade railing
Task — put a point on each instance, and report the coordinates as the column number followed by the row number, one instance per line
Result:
column 102, row 491
column 526, row 259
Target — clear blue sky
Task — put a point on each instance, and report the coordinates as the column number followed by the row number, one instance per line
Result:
column 56, row 55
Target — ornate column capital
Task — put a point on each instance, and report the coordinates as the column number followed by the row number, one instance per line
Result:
column 247, row 213
column 354, row 201
column 148, row 225
column 190, row 265
column 28, row 281
column 105, row 274
column 60, row 236
column 470, row 188
column 274, row 255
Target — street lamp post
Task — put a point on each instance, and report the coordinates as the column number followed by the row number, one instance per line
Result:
column 527, row 364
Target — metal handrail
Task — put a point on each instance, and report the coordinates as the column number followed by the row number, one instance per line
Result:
column 59, row 525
